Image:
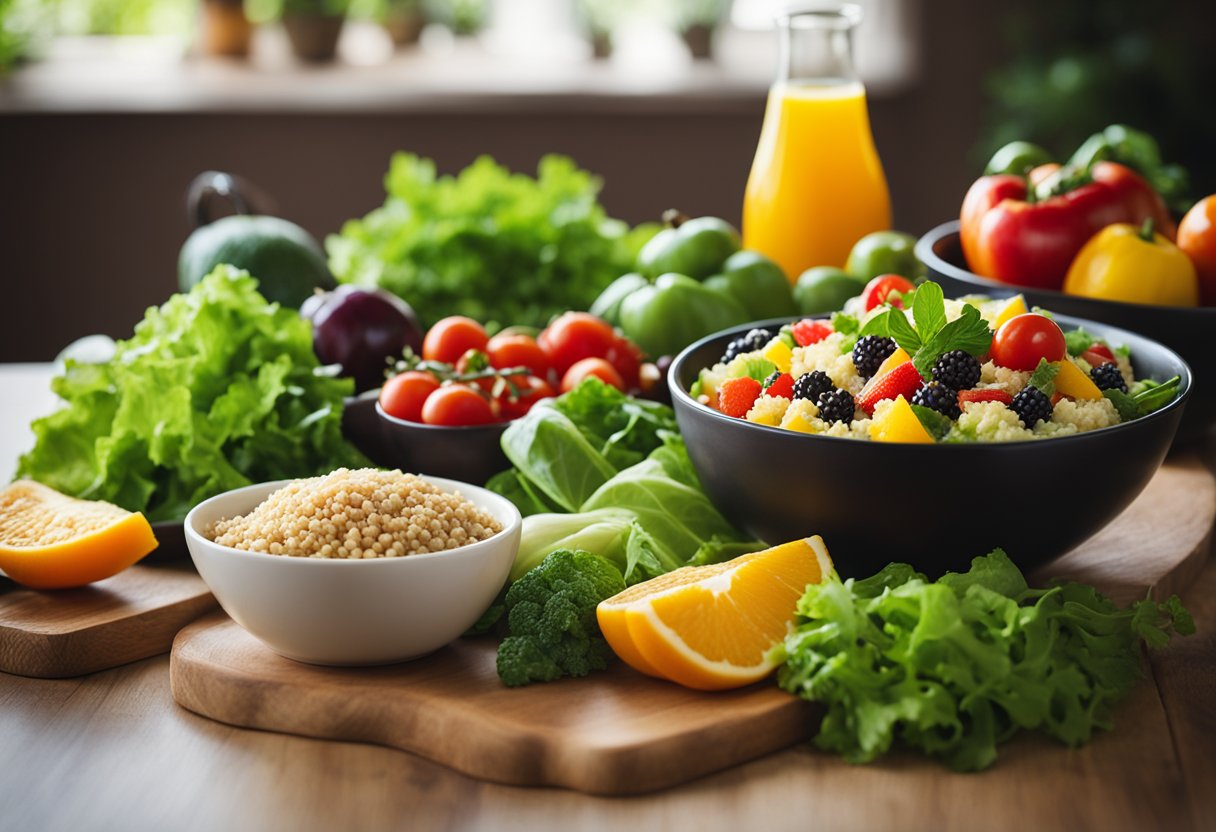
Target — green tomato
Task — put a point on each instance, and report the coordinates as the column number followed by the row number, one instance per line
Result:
column 825, row 289
column 608, row 304
column 1017, row 158
column 676, row 310
column 884, row 252
column 757, row 283
column 696, row 249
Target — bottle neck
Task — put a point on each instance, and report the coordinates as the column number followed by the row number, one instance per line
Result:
column 817, row 46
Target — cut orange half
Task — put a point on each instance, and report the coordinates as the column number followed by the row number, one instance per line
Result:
column 714, row 627
column 51, row 541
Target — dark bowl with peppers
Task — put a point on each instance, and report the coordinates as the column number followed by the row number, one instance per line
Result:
column 1189, row 331
column 935, row 506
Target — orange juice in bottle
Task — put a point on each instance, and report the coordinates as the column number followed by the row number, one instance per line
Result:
column 816, row 185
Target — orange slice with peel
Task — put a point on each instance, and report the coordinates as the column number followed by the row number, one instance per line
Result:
column 714, row 627
column 49, row 540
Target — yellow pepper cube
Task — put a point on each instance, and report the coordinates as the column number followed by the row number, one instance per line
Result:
column 779, row 353
column 898, row 423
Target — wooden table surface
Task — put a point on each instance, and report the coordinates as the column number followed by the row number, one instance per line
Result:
column 113, row 751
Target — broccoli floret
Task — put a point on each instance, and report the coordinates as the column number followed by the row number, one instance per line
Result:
column 551, row 619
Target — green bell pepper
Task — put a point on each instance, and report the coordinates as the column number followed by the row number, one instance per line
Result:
column 608, row 304
column 665, row 317
column 696, row 248
column 757, row 283
column 1017, row 158
column 884, row 252
column 825, row 289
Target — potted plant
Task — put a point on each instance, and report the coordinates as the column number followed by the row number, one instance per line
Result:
column 313, row 27
column 403, row 19
column 696, row 21
column 224, row 29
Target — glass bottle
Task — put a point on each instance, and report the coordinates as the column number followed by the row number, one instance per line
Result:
column 816, row 184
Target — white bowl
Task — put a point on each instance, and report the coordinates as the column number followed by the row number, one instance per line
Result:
column 354, row 612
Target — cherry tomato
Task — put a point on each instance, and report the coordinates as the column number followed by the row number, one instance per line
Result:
column 531, row 390
column 514, row 350
column 598, row 367
column 457, row 405
column 626, row 357
column 474, row 361
column 1023, row 340
column 1197, row 237
column 575, row 336
column 403, row 395
column 877, row 290
column 453, row 337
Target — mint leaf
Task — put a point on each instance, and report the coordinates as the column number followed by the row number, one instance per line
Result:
column 845, row 324
column 1043, row 376
column 893, row 323
column 1123, row 403
column 937, row 424
column 968, row 332
column 929, row 310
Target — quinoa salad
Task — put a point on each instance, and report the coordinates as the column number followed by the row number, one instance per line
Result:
column 921, row 368
column 359, row 514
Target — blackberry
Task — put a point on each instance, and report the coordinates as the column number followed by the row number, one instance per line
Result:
column 1108, row 377
column 752, row 341
column 939, row 397
column 836, row 406
column 957, row 369
column 869, row 353
column 1031, row 405
column 812, row 385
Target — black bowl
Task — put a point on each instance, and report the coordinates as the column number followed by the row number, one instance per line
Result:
column 934, row 506
column 1189, row 332
column 470, row 454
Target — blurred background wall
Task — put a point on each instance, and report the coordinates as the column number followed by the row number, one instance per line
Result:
column 92, row 213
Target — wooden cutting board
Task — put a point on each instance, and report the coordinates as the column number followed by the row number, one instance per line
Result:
column 618, row 732
column 70, row 632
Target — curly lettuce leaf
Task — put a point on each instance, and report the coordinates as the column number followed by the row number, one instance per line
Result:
column 488, row 243
column 216, row 389
column 955, row 667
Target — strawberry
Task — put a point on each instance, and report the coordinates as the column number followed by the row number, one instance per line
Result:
column 737, row 395
column 809, row 332
column 780, row 384
column 904, row 380
column 1001, row 396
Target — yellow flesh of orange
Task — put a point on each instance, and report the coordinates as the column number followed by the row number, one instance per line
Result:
column 50, row 541
column 712, row 627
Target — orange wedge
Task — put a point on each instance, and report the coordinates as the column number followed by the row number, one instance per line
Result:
column 714, row 627
column 51, row 541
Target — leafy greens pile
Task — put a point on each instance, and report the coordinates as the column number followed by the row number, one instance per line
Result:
column 217, row 389
column 600, row 471
column 487, row 243
column 609, row 498
column 954, row 667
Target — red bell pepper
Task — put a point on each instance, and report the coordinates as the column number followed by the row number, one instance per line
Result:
column 1010, row 237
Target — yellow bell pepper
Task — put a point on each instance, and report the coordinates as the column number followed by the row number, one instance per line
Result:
column 1124, row 263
